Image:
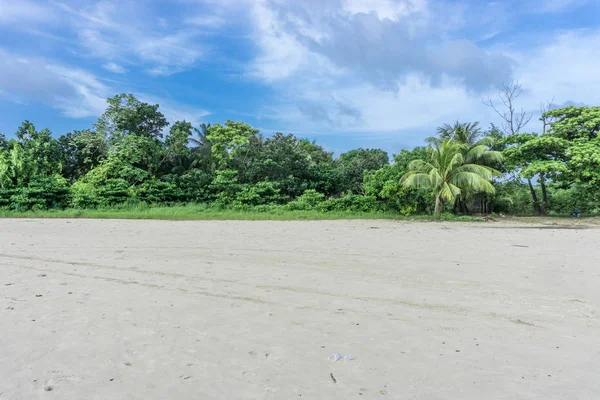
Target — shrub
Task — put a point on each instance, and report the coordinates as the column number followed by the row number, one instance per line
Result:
column 156, row 191
column 309, row 200
column 194, row 185
column 88, row 195
column 257, row 194
column 42, row 193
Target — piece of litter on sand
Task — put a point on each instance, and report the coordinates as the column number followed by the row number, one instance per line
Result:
column 336, row 357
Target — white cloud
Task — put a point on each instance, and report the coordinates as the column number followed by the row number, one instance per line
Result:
column 390, row 9
column 207, row 21
column 113, row 67
column 337, row 89
column 555, row 6
column 366, row 46
column 15, row 11
column 565, row 69
column 353, row 66
column 117, row 32
column 75, row 92
column 176, row 111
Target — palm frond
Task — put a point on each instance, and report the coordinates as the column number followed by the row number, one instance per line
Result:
column 448, row 191
column 481, row 153
column 416, row 180
column 473, row 182
column 419, row 165
column 481, row 170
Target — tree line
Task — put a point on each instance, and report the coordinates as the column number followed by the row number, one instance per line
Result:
column 133, row 156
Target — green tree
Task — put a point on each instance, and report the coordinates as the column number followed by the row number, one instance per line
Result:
column 41, row 150
column 571, row 123
column 468, row 133
column 579, row 127
column 315, row 153
column 584, row 162
column 80, row 151
column 202, row 149
column 536, row 156
column 229, row 141
column 469, row 136
column 3, row 142
column 178, row 138
column 14, row 169
column 127, row 115
column 355, row 163
column 450, row 172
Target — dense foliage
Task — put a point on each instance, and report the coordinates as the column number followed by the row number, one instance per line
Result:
column 132, row 156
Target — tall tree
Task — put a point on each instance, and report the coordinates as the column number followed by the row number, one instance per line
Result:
column 80, row 151
column 229, row 140
column 469, row 135
column 41, row 150
column 580, row 127
column 513, row 120
column 202, row 148
column 127, row 115
column 450, row 172
column 355, row 163
column 536, row 156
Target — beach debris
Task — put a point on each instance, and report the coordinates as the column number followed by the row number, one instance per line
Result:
column 336, row 357
column 333, row 378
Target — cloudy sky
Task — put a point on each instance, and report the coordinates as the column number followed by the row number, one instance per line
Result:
column 349, row 73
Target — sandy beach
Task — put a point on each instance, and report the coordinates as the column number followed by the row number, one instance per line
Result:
column 113, row 309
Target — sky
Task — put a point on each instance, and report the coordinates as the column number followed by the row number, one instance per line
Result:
column 347, row 73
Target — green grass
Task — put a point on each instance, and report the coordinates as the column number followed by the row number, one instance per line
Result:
column 203, row 212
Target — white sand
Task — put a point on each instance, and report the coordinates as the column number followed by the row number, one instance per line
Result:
column 252, row 310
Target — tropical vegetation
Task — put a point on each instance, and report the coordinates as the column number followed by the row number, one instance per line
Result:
column 132, row 157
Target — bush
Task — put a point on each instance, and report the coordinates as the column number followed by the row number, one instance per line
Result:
column 223, row 187
column 309, row 200
column 84, row 195
column 194, row 185
column 88, row 195
column 257, row 194
column 384, row 185
column 5, row 196
column 42, row 193
column 155, row 191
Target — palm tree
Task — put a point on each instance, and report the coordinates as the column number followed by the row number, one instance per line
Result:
column 183, row 163
column 470, row 135
column 451, row 171
column 201, row 133
column 202, row 148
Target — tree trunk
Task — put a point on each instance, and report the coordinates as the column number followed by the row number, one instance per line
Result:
column 439, row 204
column 456, row 208
column 544, row 206
column 536, row 203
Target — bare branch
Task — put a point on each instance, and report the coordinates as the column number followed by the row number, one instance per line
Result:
column 512, row 120
column 546, row 120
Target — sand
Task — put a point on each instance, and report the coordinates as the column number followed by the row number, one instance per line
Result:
column 106, row 309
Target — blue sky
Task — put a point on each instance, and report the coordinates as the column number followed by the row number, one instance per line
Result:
column 348, row 73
